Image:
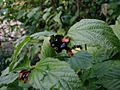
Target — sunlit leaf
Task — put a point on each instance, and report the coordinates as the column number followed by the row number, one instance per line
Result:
column 94, row 32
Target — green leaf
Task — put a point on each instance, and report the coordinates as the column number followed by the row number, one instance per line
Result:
column 116, row 30
column 33, row 11
column 41, row 35
column 18, row 50
column 81, row 60
column 57, row 18
column 7, row 79
column 94, row 32
column 52, row 73
column 100, row 69
column 103, row 54
column 46, row 49
column 118, row 19
column 47, row 13
column 3, row 88
column 22, row 63
column 111, row 80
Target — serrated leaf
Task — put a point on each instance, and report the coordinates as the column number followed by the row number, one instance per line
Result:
column 52, row 73
column 111, row 80
column 81, row 60
column 7, row 79
column 103, row 54
column 94, row 32
column 46, row 49
column 100, row 69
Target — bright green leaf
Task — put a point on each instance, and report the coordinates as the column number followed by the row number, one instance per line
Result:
column 18, row 50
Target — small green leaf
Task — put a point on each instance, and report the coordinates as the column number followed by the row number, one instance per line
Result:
column 57, row 18
column 118, row 19
column 81, row 60
column 19, row 47
column 47, row 50
column 18, row 50
column 116, row 30
column 33, row 11
column 22, row 63
column 46, row 15
column 52, row 73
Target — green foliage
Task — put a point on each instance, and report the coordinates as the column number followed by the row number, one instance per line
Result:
column 41, row 35
column 116, row 28
column 52, row 15
column 111, row 79
column 81, row 60
column 54, row 74
column 92, row 31
column 18, row 50
column 7, row 79
column 95, row 68
column 46, row 49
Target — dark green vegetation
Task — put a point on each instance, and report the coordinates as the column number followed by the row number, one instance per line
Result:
column 95, row 67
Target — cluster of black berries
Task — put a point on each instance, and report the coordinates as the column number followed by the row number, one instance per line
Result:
column 59, row 42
